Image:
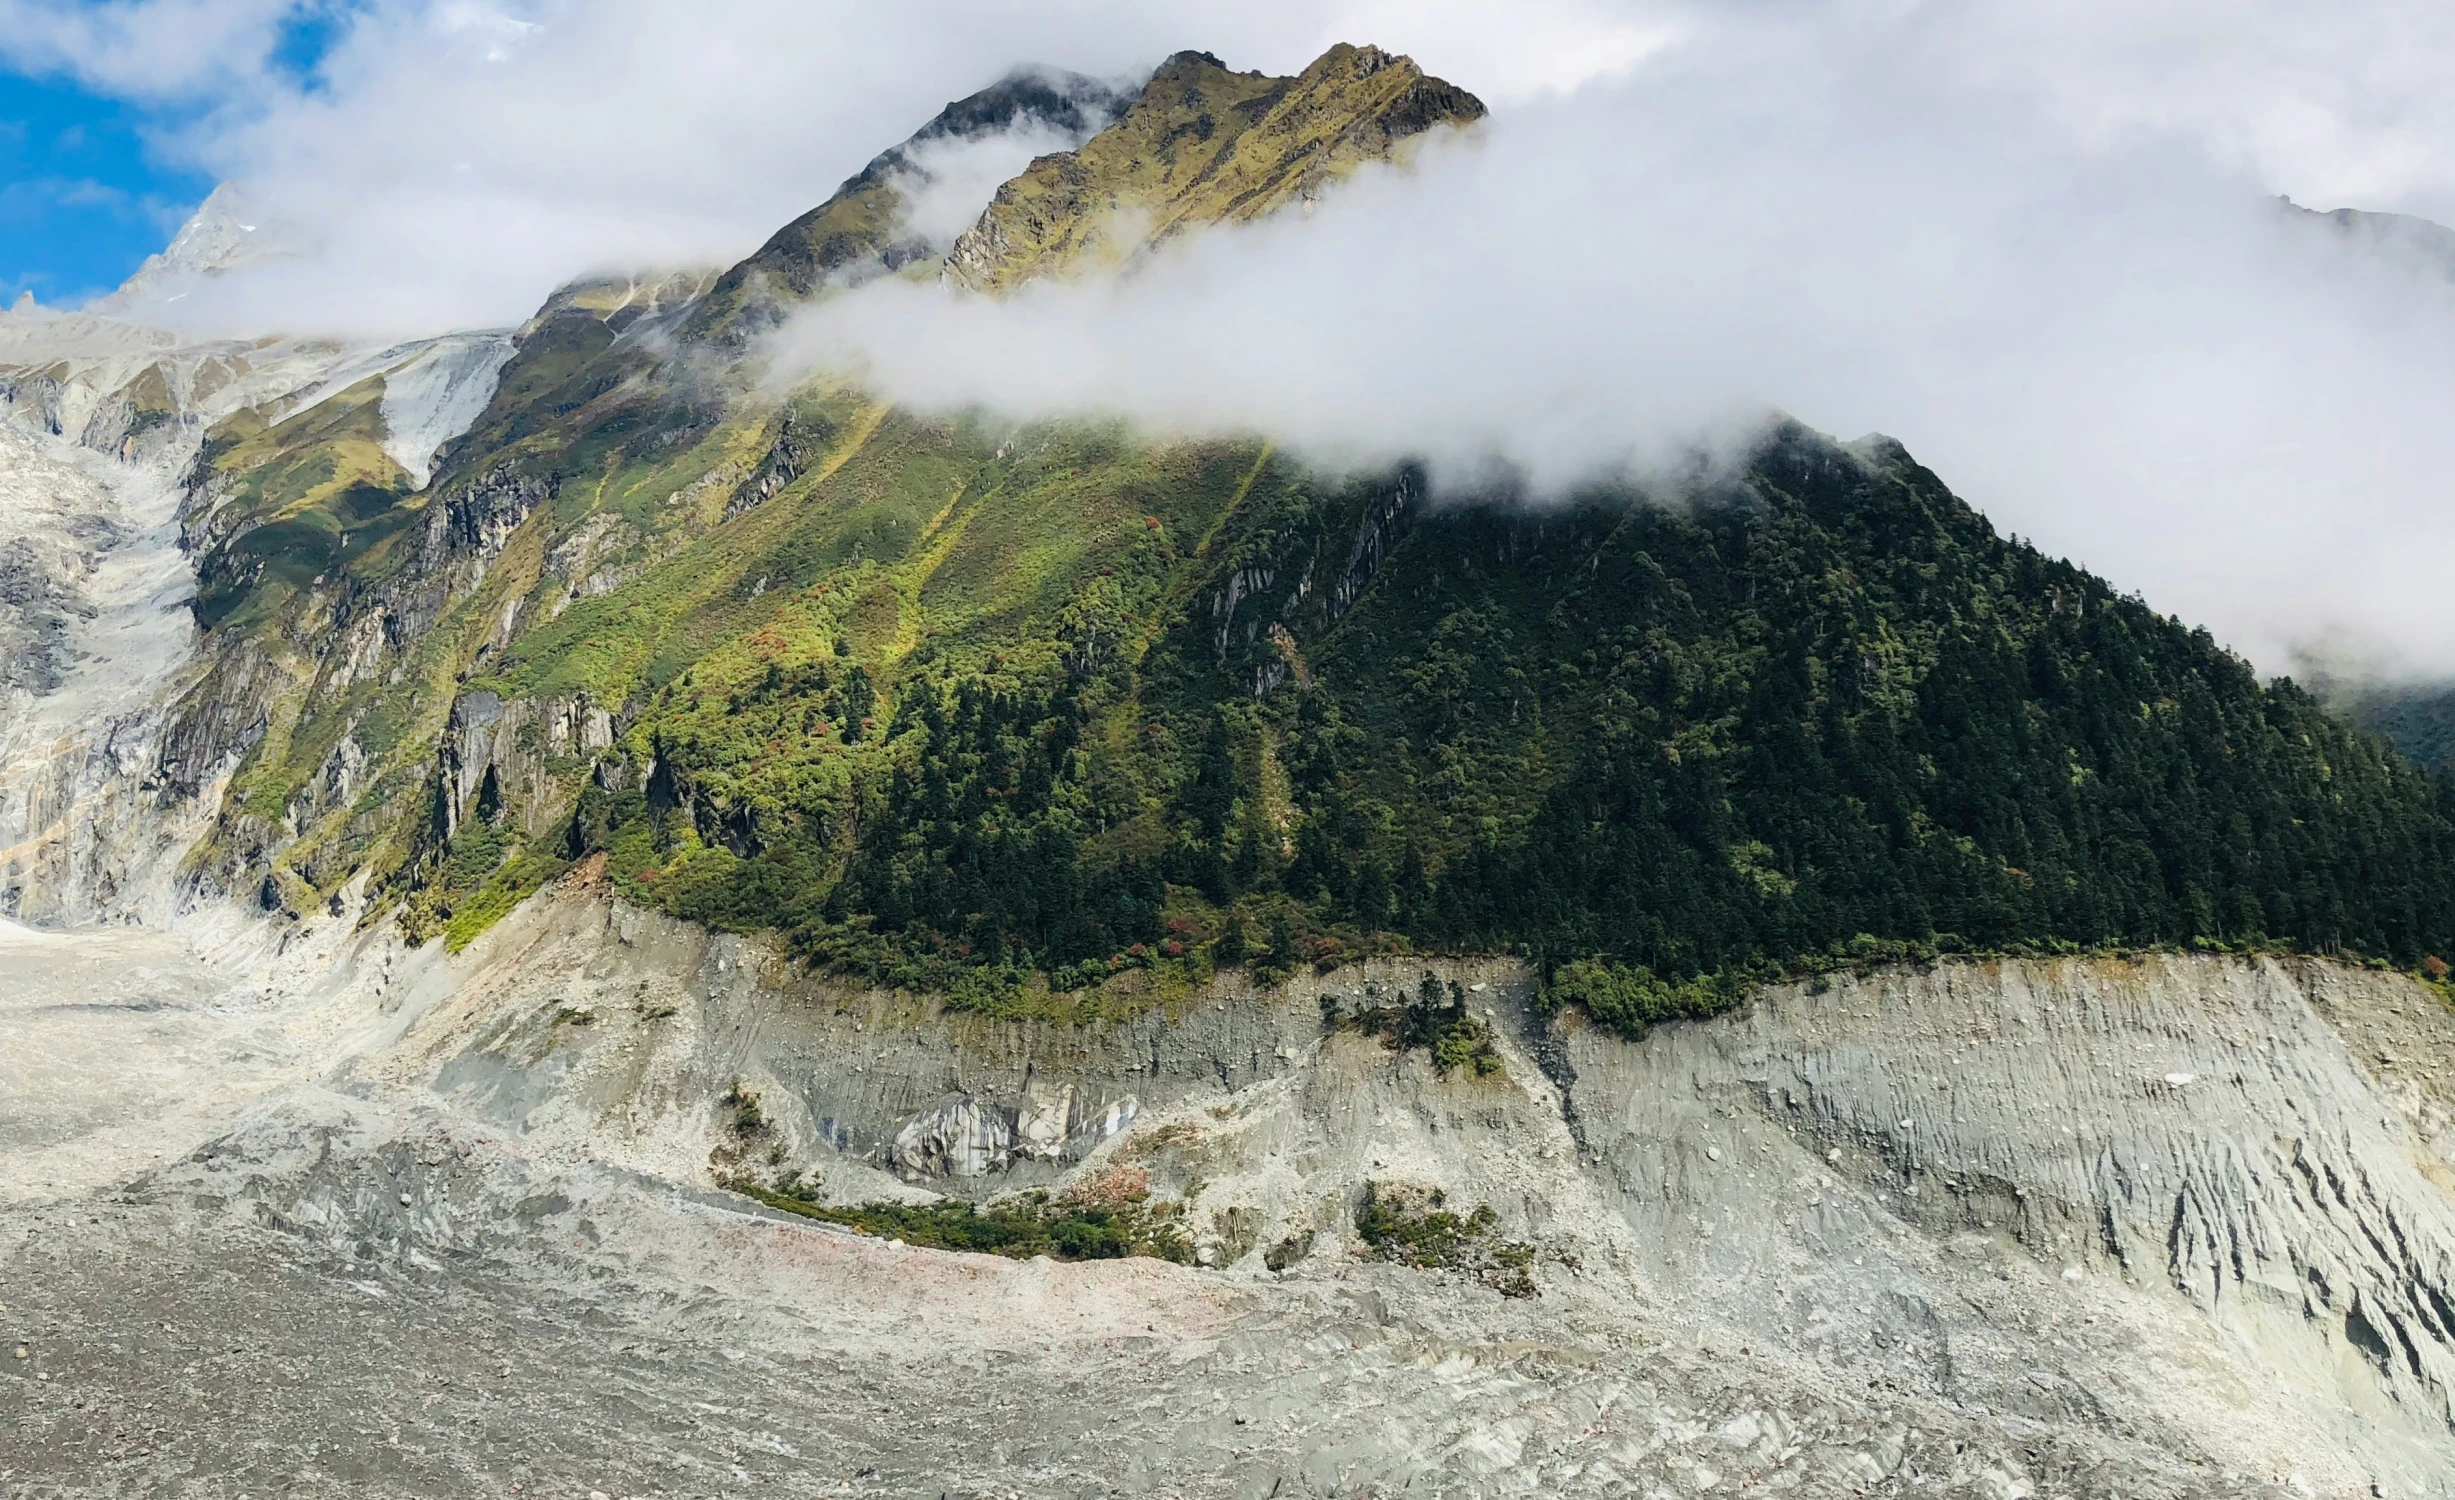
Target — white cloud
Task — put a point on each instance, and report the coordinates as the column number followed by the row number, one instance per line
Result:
column 946, row 182
column 2345, row 101
column 457, row 158
column 2110, row 340
column 2028, row 239
column 145, row 49
column 460, row 158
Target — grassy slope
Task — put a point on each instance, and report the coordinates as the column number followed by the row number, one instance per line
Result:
column 658, row 448
column 1050, row 712
column 305, row 496
column 1203, row 145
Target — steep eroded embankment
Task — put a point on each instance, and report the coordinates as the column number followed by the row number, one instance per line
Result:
column 2082, row 1227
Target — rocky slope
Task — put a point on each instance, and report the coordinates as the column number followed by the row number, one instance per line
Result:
column 1202, row 145
column 2090, row 1227
column 120, row 723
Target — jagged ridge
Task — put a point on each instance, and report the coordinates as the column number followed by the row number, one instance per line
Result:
column 1203, row 145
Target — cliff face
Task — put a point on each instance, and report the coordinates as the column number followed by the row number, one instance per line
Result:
column 155, row 486
column 2090, row 1227
column 1203, row 145
column 2195, row 1207
column 2250, row 1158
column 2193, row 1204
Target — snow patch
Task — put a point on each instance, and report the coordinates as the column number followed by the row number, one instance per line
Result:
column 438, row 395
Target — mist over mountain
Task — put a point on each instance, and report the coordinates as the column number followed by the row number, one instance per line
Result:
column 2124, row 353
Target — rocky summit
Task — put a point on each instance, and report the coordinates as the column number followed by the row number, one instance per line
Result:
column 590, row 914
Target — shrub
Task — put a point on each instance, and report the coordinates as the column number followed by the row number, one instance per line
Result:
column 1629, row 998
column 1436, row 1021
column 1413, row 1226
column 1097, row 1222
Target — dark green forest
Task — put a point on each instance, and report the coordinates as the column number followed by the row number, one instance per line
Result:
column 1057, row 717
column 1814, row 709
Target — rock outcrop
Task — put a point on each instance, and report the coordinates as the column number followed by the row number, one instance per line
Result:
column 1203, row 145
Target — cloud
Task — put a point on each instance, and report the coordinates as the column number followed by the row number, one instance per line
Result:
column 2111, row 339
column 946, row 182
column 152, row 50
column 2344, row 101
column 2032, row 241
column 451, row 160
column 458, row 159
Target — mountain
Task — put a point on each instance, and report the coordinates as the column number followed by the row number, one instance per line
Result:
column 2418, row 721
column 2402, row 238
column 1018, row 711
column 2417, row 718
column 1203, row 145
column 1749, row 981
column 224, row 234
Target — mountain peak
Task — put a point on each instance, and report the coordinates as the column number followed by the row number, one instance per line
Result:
column 618, row 300
column 2414, row 241
column 877, row 222
column 223, row 234
column 1204, row 144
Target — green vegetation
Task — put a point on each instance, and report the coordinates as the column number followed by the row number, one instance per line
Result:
column 522, row 877
column 482, row 873
column 2436, row 977
column 1054, row 721
column 1413, row 1226
column 1696, row 744
column 1204, row 145
column 1087, row 1224
column 1434, row 1021
column 2418, row 721
column 743, row 1102
column 1629, row 998
column 302, row 498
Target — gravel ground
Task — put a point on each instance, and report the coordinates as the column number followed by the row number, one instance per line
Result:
column 361, row 1286
column 272, row 1319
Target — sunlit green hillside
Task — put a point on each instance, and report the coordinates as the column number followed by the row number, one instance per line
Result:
column 1055, row 717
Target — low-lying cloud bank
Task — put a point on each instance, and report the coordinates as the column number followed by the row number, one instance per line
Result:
column 449, row 162
column 2037, row 243
column 2120, row 346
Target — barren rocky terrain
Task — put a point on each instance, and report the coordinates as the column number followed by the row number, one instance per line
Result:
column 449, row 1227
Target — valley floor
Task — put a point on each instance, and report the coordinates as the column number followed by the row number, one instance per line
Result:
column 264, row 1239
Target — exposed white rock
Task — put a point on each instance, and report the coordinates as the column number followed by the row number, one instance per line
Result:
column 956, row 1137
column 96, row 638
column 2106, row 1286
column 1045, row 1123
column 437, row 393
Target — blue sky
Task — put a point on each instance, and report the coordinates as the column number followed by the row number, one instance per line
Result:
column 91, row 184
column 84, row 196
